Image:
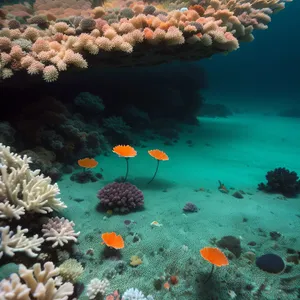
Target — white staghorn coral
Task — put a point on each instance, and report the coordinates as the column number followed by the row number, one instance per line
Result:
column 59, row 231
column 22, row 187
column 38, row 284
column 11, row 242
column 10, row 211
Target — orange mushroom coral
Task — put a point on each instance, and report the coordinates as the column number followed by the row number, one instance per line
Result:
column 215, row 256
column 111, row 239
column 159, row 156
column 88, row 163
column 125, row 151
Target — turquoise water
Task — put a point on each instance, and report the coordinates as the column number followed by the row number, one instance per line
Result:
column 213, row 217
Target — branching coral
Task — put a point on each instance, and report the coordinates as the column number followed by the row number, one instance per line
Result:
column 22, row 189
column 11, row 242
column 59, row 231
column 36, row 284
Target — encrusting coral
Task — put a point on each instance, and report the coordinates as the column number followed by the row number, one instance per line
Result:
column 55, row 37
column 36, row 284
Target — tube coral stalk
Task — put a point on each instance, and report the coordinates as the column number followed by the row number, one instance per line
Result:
column 157, row 165
column 127, row 168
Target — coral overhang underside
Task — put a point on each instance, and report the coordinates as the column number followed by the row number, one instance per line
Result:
column 46, row 39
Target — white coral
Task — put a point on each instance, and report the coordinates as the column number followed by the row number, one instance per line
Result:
column 11, row 242
column 135, row 294
column 97, row 287
column 59, row 231
column 22, row 187
column 10, row 211
column 38, row 284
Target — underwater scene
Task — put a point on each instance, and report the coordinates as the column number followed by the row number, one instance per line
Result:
column 149, row 150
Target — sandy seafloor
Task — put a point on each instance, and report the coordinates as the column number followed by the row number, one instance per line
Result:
column 238, row 151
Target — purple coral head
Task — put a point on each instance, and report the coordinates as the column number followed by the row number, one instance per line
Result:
column 190, row 207
column 121, row 197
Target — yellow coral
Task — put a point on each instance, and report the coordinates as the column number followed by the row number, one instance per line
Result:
column 70, row 270
column 135, row 261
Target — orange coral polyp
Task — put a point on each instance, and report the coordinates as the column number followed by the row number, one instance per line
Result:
column 164, row 26
column 87, row 163
column 111, row 239
column 148, row 34
column 125, row 151
column 158, row 154
column 215, row 256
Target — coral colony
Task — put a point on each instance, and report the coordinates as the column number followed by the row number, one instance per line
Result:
column 47, row 38
column 39, row 254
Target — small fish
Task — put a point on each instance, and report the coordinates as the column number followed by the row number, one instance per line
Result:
column 222, row 188
column 155, row 223
column 109, row 212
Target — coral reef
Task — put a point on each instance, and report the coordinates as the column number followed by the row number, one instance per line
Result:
column 89, row 103
column 121, row 197
column 48, row 39
column 55, row 134
column 27, row 198
column 22, row 189
column 282, row 181
column 36, row 283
